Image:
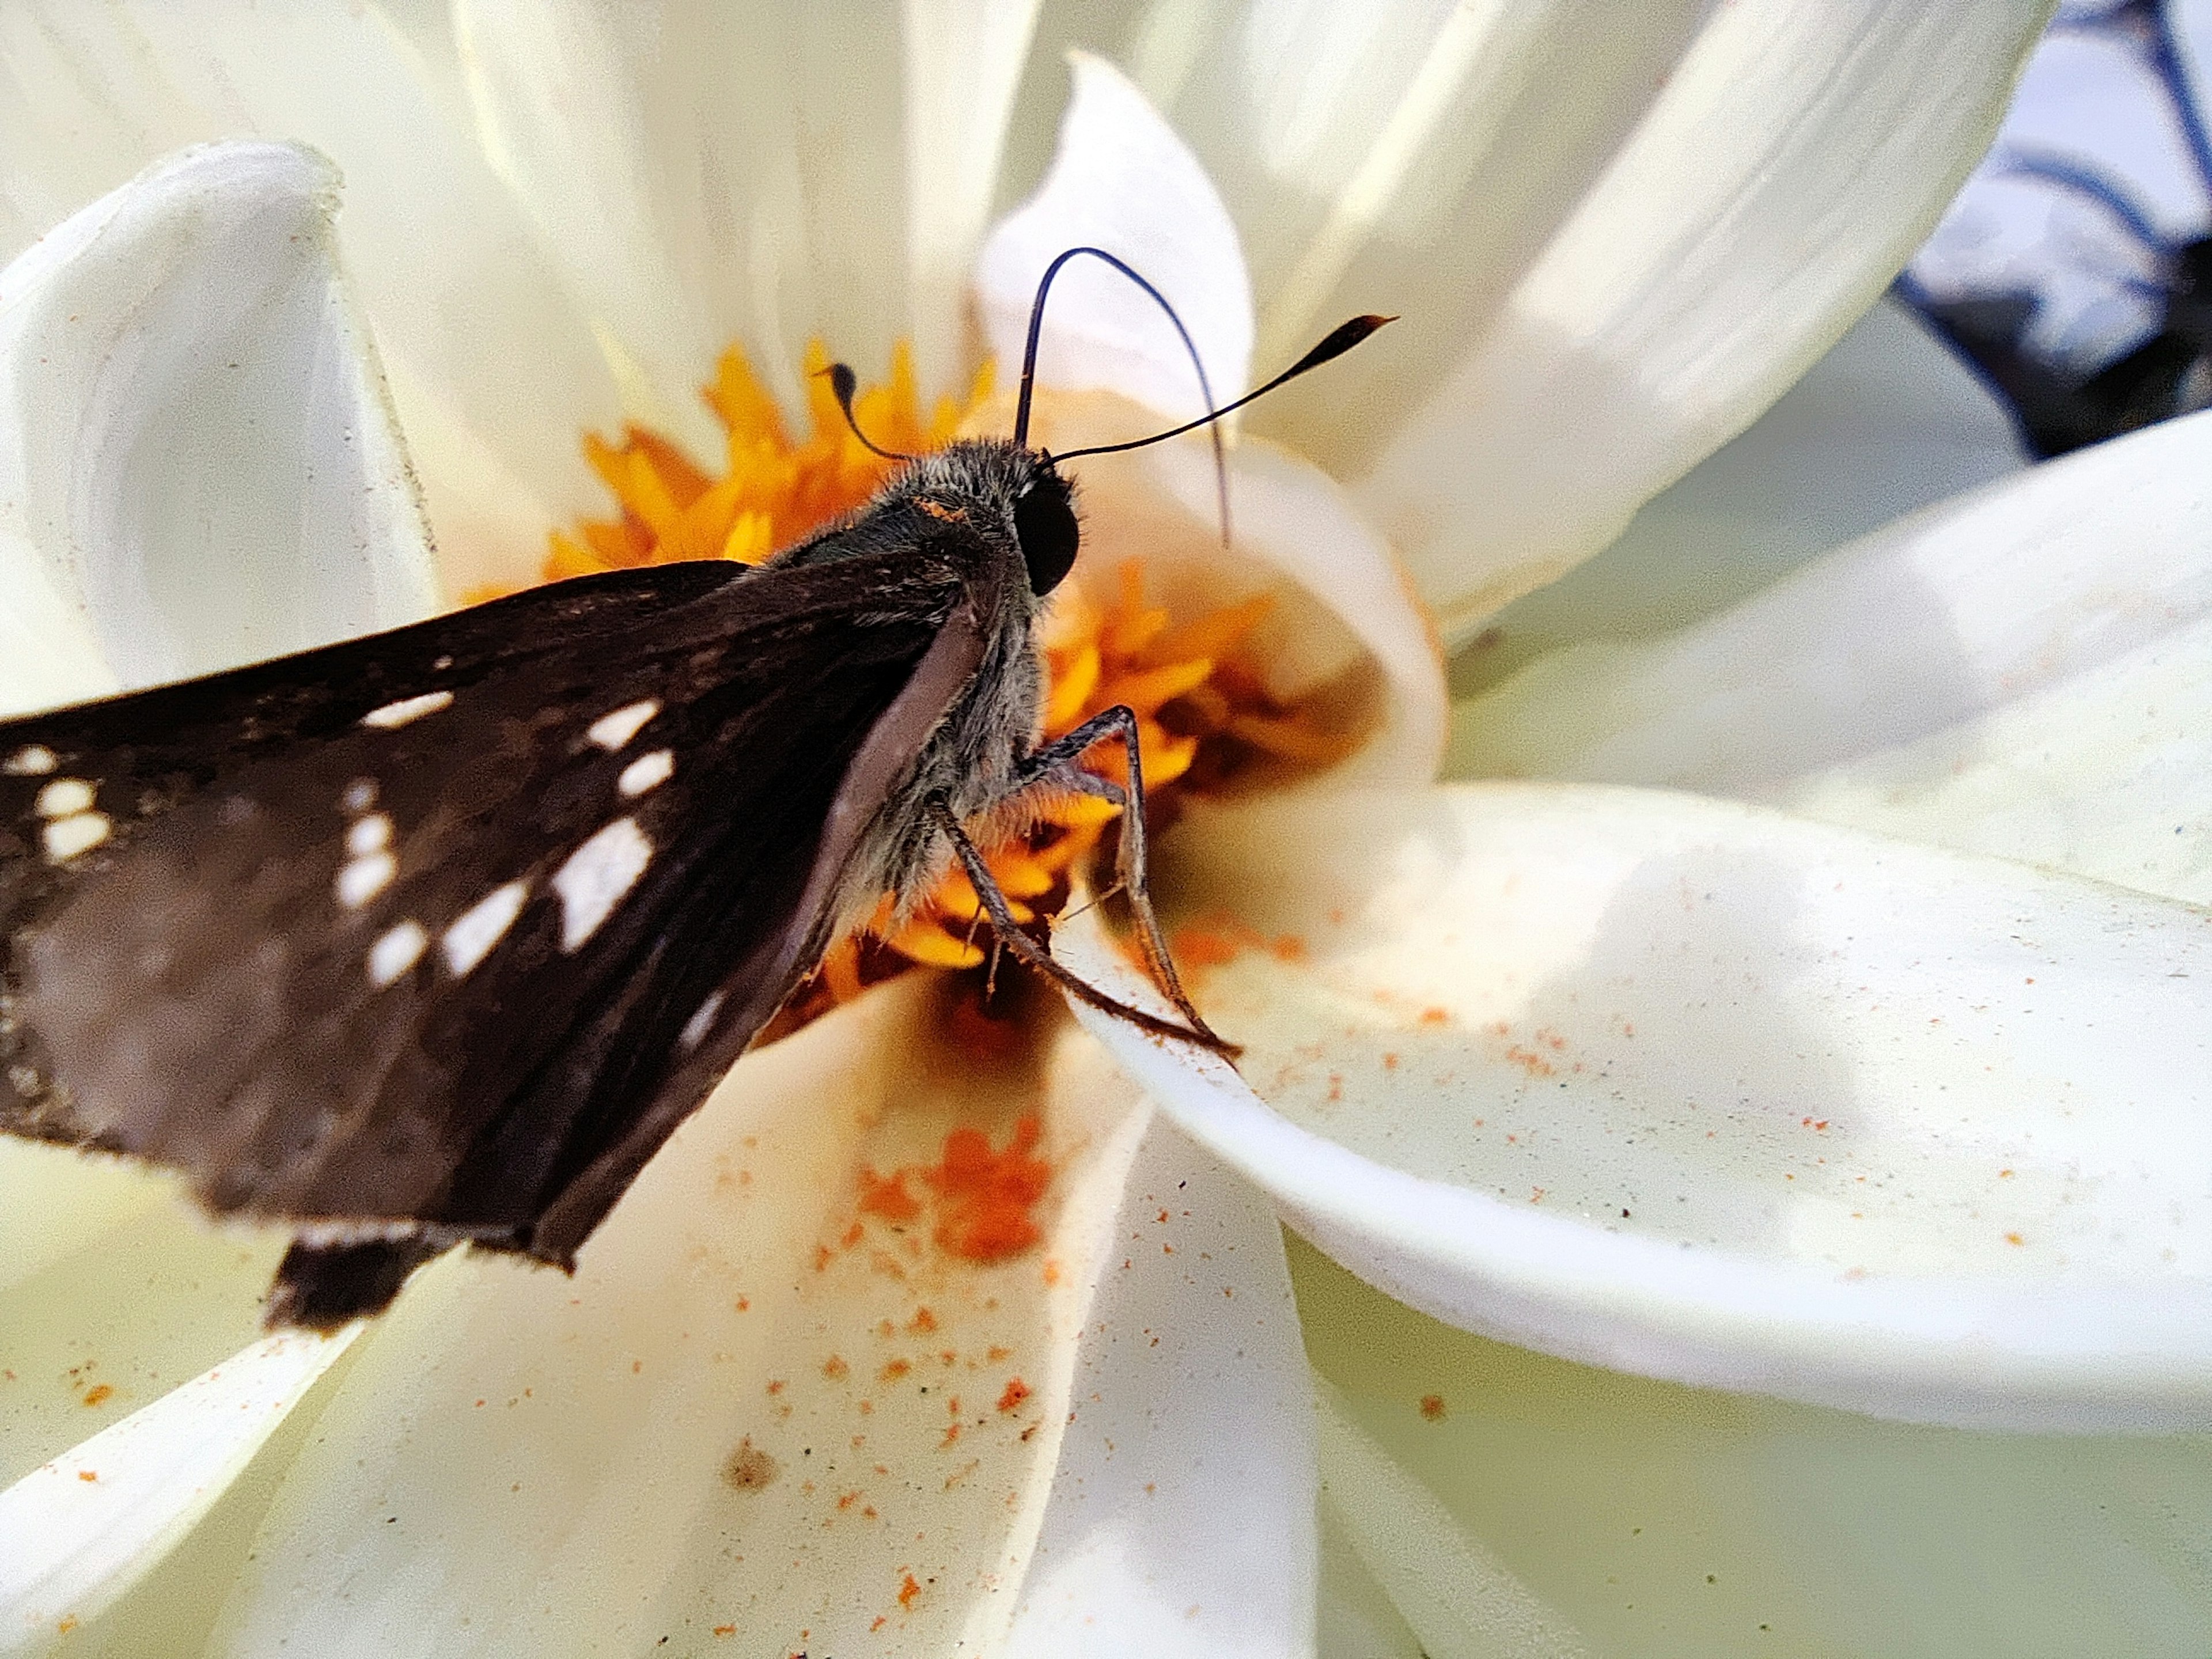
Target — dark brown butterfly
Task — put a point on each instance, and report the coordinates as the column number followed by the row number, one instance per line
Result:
column 436, row 936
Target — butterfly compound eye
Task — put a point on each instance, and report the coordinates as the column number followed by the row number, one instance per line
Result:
column 1044, row 524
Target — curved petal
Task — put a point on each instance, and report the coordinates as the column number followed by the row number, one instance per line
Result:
column 1396, row 156
column 2108, row 774
column 185, row 391
column 1345, row 620
column 83, row 1529
column 1356, row 1618
column 1123, row 181
column 1181, row 1521
column 1667, row 1520
column 777, row 1399
column 1796, row 157
column 1888, row 422
column 963, row 61
column 126, row 1292
column 1949, row 614
column 1459, row 1597
column 1693, row 1089
column 674, row 162
column 484, row 349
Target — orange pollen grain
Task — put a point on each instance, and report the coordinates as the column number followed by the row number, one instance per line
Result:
column 887, row 1196
column 988, row 1194
column 1203, row 710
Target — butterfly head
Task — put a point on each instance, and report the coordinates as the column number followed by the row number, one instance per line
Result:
column 1044, row 524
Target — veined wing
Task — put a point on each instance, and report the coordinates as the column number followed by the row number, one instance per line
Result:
column 438, row 934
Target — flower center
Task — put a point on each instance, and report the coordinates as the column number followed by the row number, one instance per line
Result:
column 1204, row 715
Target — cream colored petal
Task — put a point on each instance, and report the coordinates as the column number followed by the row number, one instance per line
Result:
column 763, row 1408
column 1696, row 1090
column 470, row 319
column 1794, row 159
column 1345, row 619
column 701, row 174
column 1674, row 1521
column 1463, row 1602
column 1181, row 1515
column 2107, row 775
column 1121, row 180
column 1992, row 599
column 124, row 1291
column 963, row 61
column 1356, row 1618
column 185, row 393
column 1890, row 420
column 1409, row 155
column 83, row 1529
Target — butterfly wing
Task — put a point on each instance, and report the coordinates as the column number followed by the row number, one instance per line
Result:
column 438, row 934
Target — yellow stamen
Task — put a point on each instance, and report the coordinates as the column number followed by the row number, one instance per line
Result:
column 1193, row 696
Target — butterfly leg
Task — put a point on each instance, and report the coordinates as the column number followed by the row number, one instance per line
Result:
column 1028, row 951
column 1054, row 763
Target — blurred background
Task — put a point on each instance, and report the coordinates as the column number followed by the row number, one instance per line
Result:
column 2075, row 271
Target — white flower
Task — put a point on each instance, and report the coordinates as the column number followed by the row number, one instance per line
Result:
column 1597, row 1069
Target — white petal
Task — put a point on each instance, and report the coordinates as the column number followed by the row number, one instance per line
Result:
column 757, row 1406
column 1945, row 615
column 83, row 1529
column 1796, row 157
column 1356, row 1617
column 2108, row 773
column 54, row 1201
column 1181, row 1515
column 1401, row 156
column 1121, row 181
column 963, row 60
column 701, row 174
column 1914, row 1134
column 1889, row 422
column 126, row 1292
column 186, row 393
column 484, row 348
column 1667, row 1520
column 1458, row 1597
column 1346, row 615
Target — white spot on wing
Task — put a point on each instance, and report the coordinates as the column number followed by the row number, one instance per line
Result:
column 361, row 879
column 372, row 835
column 646, row 772
column 65, row 796
column 80, row 832
column 395, row 952
column 481, row 926
column 33, row 760
column 597, row 875
column 360, row 795
column 393, row 715
column 695, row 1027
column 611, row 731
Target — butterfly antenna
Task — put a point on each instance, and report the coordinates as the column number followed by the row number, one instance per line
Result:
column 1030, row 357
column 842, row 384
column 1340, row 340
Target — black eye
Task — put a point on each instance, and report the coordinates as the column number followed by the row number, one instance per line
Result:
column 1044, row 524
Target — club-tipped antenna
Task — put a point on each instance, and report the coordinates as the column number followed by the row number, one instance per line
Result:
column 1189, row 345
column 1340, row 340
column 842, row 384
